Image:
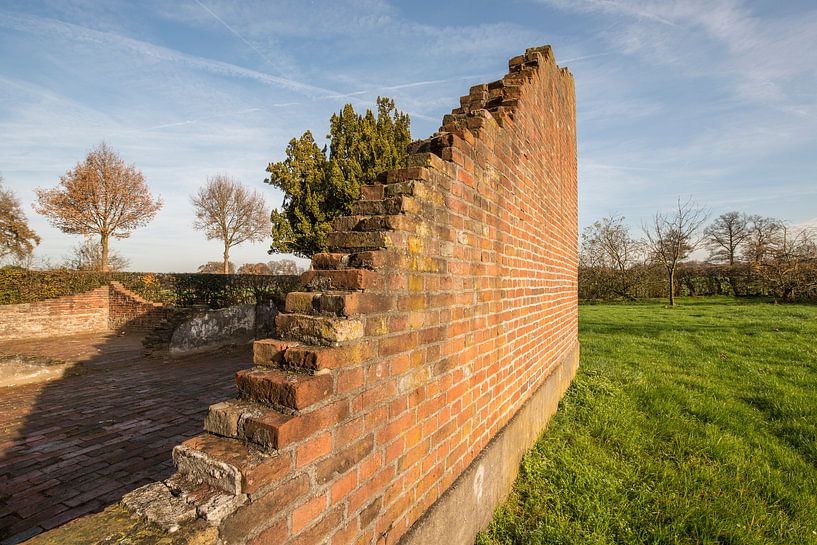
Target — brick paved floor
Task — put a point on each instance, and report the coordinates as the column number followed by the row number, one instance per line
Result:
column 76, row 445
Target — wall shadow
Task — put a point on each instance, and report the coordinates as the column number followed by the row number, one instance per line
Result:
column 73, row 446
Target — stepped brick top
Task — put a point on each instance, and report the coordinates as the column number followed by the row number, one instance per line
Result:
column 446, row 300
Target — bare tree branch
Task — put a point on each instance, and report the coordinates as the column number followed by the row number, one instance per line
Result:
column 672, row 236
column 228, row 211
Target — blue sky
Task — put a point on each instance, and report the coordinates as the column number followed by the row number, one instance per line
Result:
column 715, row 99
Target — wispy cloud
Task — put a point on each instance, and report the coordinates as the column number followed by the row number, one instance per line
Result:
column 762, row 58
column 45, row 26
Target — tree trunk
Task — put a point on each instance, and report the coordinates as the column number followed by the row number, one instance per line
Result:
column 733, row 281
column 103, row 265
column 226, row 269
column 672, row 287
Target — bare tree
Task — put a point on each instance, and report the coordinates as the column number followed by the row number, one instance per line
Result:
column 610, row 257
column 672, row 236
column 763, row 234
column 229, row 212
column 88, row 257
column 101, row 196
column 725, row 236
column 789, row 266
column 17, row 239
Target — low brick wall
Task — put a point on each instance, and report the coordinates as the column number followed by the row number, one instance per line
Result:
column 109, row 308
column 84, row 313
column 132, row 313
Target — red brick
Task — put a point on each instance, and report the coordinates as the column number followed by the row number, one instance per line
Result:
column 302, row 516
column 278, row 431
column 319, row 532
column 345, row 279
column 344, row 460
column 295, row 391
column 342, row 487
column 256, row 515
column 274, row 535
column 313, row 449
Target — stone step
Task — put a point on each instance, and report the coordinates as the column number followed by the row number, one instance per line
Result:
column 283, row 388
column 249, row 421
column 342, row 280
column 399, row 222
column 407, row 173
column 326, row 261
column 267, row 428
column 419, row 189
column 317, row 330
column 357, row 241
column 290, row 354
column 228, row 464
column 372, row 192
column 337, row 303
column 366, row 259
column 389, row 206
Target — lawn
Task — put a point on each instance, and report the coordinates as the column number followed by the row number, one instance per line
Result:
column 694, row 424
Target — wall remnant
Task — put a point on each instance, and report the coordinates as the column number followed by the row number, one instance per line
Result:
column 132, row 313
column 109, row 308
column 86, row 312
column 213, row 329
column 441, row 327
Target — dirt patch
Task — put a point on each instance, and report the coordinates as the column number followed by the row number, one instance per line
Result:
column 19, row 369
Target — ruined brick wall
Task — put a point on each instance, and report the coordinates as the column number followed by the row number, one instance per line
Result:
column 82, row 313
column 448, row 300
column 109, row 308
column 130, row 312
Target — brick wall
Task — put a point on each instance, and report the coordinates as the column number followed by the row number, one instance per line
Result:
column 83, row 313
column 130, row 312
column 448, row 300
column 109, row 308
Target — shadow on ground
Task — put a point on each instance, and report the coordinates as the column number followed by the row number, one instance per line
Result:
column 76, row 445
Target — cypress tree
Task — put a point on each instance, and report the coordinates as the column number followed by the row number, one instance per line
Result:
column 319, row 187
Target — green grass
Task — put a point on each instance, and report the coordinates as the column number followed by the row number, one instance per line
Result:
column 694, row 424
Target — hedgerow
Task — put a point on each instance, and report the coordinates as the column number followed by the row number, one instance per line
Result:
column 19, row 285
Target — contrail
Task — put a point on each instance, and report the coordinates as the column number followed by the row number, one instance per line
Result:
column 234, row 32
column 206, row 118
column 583, row 57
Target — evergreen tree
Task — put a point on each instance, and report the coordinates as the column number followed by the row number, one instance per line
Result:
column 318, row 188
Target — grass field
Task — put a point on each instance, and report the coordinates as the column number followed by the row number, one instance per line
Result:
column 694, row 424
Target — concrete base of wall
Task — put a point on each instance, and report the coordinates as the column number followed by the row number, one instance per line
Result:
column 214, row 329
column 468, row 506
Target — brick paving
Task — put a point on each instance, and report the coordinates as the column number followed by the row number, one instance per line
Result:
column 76, row 445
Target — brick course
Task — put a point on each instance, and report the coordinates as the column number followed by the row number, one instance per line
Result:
column 447, row 299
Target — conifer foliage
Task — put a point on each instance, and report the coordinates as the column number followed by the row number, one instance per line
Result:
column 318, row 187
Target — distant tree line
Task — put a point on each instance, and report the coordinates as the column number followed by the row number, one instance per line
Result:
column 277, row 267
column 748, row 255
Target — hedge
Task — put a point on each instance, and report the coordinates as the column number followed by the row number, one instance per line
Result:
column 18, row 285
